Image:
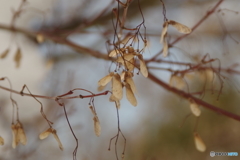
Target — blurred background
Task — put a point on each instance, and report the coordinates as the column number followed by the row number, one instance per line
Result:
column 160, row 126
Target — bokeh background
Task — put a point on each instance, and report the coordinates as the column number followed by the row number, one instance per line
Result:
column 159, row 127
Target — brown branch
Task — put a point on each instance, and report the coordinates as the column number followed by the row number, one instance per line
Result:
column 189, row 96
column 60, row 40
column 54, row 98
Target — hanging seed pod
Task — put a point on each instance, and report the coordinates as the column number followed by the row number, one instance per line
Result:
column 130, row 95
column 97, row 127
column 18, row 57
column 195, row 108
column 164, row 31
column 165, row 48
column 129, row 80
column 21, row 136
column 200, row 145
column 143, row 67
column 45, row 134
column 1, row 141
column 117, row 87
column 54, row 132
column 14, row 135
column 180, row 27
column 105, row 80
column 4, row 54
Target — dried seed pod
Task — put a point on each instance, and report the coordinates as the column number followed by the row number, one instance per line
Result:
column 129, row 80
column 1, row 141
column 143, row 67
column 105, row 80
column 130, row 65
column 125, row 58
column 165, row 48
column 117, row 87
column 45, row 134
column 195, row 108
column 21, row 136
column 40, row 38
column 177, row 82
column 130, row 49
column 113, row 53
column 180, row 27
column 4, row 54
column 54, row 132
column 18, row 57
column 118, row 105
column 130, row 95
column 14, row 135
column 97, row 127
column 164, row 31
column 200, row 146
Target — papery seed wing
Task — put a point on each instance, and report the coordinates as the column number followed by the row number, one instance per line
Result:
column 54, row 132
column 4, row 54
column 117, row 87
column 165, row 48
column 112, row 98
column 45, row 134
column 143, row 68
column 130, row 96
column 105, row 80
column 130, row 81
column 200, row 145
column 97, row 127
column 18, row 57
column 130, row 65
column 113, row 53
column 1, row 141
column 180, row 27
column 22, row 136
column 118, row 105
column 195, row 109
column 164, row 31
column 14, row 135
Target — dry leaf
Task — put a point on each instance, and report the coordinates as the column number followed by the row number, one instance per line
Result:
column 4, row 54
column 54, row 132
column 130, row 96
column 117, row 87
column 164, row 31
column 195, row 108
column 18, row 57
column 1, row 141
column 97, row 127
column 180, row 27
column 143, row 67
column 45, row 134
column 200, row 146
column 105, row 80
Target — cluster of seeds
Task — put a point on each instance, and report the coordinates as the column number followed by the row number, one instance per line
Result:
column 126, row 59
